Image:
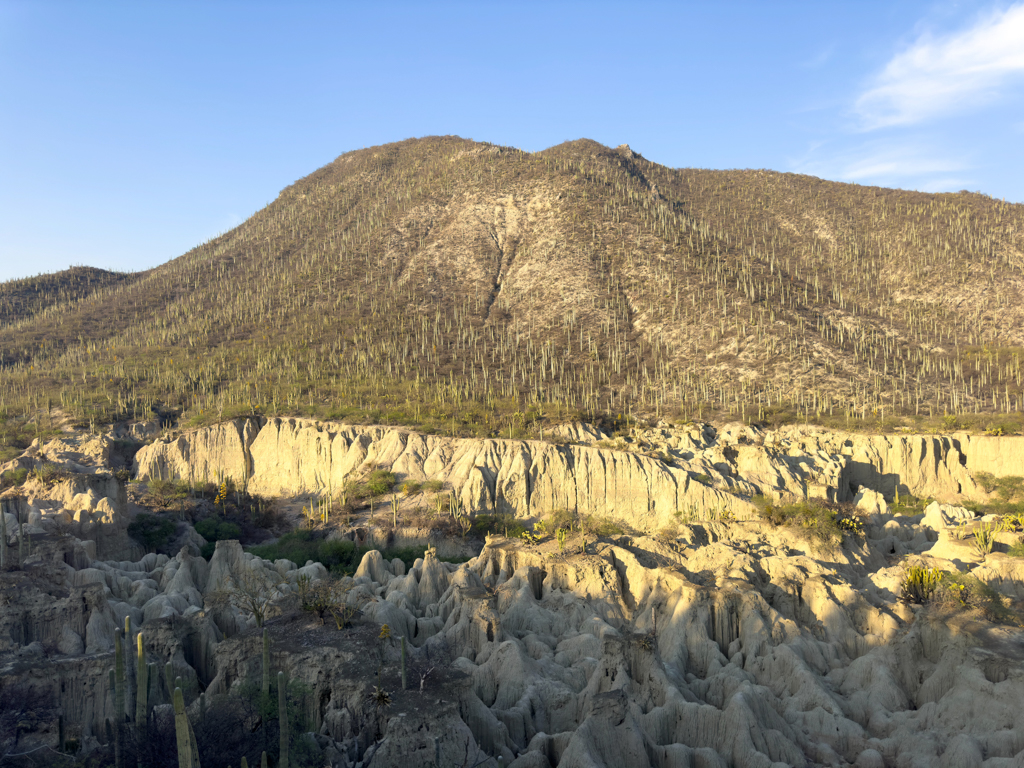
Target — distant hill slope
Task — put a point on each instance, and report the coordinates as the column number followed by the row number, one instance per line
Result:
column 460, row 285
column 27, row 297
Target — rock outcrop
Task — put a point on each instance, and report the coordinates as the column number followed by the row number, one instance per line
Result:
column 642, row 481
column 729, row 642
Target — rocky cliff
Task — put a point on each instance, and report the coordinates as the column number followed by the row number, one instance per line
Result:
column 642, row 479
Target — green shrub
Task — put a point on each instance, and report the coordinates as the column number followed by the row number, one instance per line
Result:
column 817, row 519
column 1017, row 548
column 338, row 556
column 602, row 526
column 504, row 525
column 13, row 478
column 166, row 492
column 302, row 545
column 48, row 473
column 1007, row 488
column 908, row 504
column 214, row 530
column 959, row 591
column 380, row 482
column 432, row 486
column 151, row 531
column 561, row 518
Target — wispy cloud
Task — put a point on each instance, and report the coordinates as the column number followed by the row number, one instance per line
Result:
column 947, row 74
column 913, row 164
column 821, row 58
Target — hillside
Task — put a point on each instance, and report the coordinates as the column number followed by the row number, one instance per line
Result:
column 25, row 298
column 470, row 288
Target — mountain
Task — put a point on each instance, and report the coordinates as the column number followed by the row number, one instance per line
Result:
column 461, row 286
column 25, row 298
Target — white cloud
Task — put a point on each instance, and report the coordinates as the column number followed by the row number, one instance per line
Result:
column 952, row 73
column 913, row 164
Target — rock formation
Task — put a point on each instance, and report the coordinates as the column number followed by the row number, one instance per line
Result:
column 729, row 643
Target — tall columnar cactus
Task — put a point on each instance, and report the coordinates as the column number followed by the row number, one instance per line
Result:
column 119, row 687
column 169, row 679
column 21, row 542
column 263, row 760
column 129, row 673
column 266, row 663
column 3, row 535
column 154, row 681
column 404, row 686
column 182, row 731
column 142, row 697
column 282, row 716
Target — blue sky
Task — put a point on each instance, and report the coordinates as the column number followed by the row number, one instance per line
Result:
column 131, row 132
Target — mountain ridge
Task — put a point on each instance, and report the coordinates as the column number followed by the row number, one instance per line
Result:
column 442, row 280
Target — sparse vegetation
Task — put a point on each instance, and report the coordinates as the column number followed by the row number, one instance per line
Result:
column 252, row 591
column 151, row 531
column 908, row 504
column 49, row 473
column 819, row 520
column 380, row 482
column 213, row 530
column 13, row 478
column 803, row 280
column 954, row 592
column 506, row 525
column 1008, row 501
column 340, row 556
column 984, row 538
column 919, row 584
column 326, row 596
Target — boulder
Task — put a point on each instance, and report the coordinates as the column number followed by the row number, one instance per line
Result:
column 941, row 516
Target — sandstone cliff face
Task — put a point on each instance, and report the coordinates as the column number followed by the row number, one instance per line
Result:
column 597, row 475
column 526, row 478
column 926, row 466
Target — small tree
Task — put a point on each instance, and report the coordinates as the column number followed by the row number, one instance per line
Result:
column 252, row 591
column 436, row 655
column 327, row 595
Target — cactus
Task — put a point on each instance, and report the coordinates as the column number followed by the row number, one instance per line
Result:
column 142, row 698
column 282, row 717
column 118, row 697
column 169, row 680
column 21, row 543
column 263, row 760
column 404, row 686
column 245, row 763
column 129, row 673
column 182, row 730
column 266, row 664
column 3, row 535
